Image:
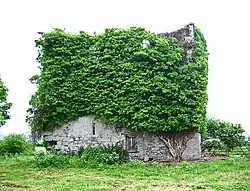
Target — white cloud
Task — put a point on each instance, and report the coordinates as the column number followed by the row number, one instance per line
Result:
column 224, row 24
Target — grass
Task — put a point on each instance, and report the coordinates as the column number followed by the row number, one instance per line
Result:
column 238, row 151
column 226, row 175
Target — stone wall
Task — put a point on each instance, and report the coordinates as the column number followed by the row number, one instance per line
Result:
column 88, row 131
column 185, row 35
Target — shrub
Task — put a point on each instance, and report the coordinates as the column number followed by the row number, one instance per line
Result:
column 15, row 144
column 248, row 146
column 1, row 147
column 231, row 135
column 212, row 145
column 91, row 156
column 111, row 154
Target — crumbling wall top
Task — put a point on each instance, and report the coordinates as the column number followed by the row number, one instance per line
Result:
column 184, row 34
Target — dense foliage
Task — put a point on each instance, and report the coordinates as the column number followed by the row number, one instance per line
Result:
column 231, row 135
column 4, row 105
column 248, row 146
column 114, row 77
column 15, row 144
column 111, row 154
column 211, row 145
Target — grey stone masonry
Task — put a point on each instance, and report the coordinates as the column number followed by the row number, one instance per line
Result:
column 184, row 35
column 140, row 145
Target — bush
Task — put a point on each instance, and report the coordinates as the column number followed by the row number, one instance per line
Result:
column 248, row 146
column 15, row 144
column 114, row 154
column 212, row 145
column 91, row 156
column 231, row 135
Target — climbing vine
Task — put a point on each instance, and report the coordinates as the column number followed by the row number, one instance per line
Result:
column 117, row 77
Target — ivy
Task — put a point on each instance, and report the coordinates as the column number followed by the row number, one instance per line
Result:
column 4, row 105
column 118, row 79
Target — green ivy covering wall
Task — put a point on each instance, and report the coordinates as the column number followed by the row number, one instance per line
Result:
column 111, row 76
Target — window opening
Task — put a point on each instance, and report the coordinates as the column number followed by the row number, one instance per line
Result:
column 131, row 143
column 93, row 128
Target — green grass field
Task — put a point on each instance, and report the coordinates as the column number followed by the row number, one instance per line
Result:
column 218, row 175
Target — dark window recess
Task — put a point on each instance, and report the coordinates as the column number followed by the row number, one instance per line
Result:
column 93, row 128
column 52, row 143
column 131, row 144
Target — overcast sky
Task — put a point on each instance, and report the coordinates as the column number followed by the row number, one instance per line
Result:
column 225, row 24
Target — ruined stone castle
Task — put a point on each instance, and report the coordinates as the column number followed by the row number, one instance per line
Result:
column 140, row 145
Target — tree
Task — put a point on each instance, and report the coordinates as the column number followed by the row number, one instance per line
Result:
column 231, row 135
column 4, row 105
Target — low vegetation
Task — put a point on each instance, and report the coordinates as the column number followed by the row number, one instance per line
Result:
column 224, row 137
column 15, row 144
column 106, row 168
column 91, row 157
column 225, row 175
